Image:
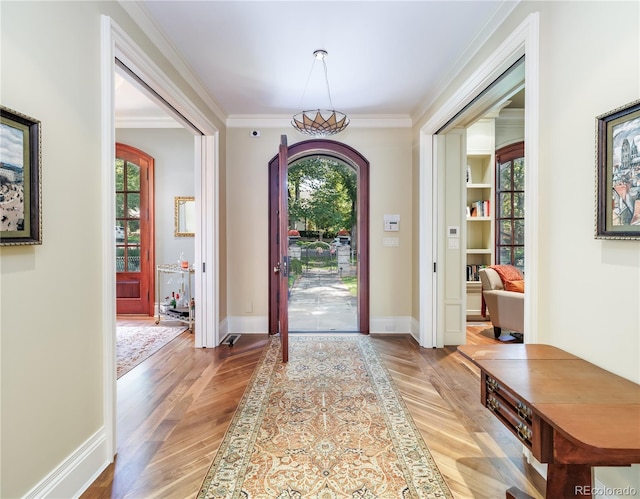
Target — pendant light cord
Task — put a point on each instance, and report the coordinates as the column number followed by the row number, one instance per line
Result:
column 326, row 80
column 304, row 92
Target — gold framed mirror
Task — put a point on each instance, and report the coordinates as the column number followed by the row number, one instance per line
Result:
column 185, row 216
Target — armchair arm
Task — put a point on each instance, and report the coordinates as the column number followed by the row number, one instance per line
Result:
column 506, row 309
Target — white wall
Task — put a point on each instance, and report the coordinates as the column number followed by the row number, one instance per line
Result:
column 172, row 150
column 389, row 153
column 51, row 362
column 589, row 299
column 52, row 338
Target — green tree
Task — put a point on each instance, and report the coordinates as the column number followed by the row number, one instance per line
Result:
column 322, row 194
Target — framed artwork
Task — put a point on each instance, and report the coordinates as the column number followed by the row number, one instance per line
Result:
column 618, row 173
column 20, row 179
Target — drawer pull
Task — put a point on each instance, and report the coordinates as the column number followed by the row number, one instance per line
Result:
column 523, row 411
column 492, row 385
column 524, row 432
column 493, row 403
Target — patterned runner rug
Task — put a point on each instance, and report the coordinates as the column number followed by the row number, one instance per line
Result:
column 328, row 424
column 137, row 343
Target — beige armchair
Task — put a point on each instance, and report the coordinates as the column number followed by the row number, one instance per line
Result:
column 506, row 308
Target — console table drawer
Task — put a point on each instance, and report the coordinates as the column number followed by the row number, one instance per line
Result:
column 572, row 414
column 513, row 413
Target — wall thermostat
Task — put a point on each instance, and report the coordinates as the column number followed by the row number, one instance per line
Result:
column 391, row 223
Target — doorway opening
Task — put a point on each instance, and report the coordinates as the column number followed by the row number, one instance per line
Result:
column 334, row 256
column 444, row 164
column 116, row 46
column 323, row 240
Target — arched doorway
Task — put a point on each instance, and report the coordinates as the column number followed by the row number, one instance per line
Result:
column 348, row 156
column 135, row 241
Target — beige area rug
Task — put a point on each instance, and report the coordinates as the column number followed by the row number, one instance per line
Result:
column 328, row 424
column 136, row 343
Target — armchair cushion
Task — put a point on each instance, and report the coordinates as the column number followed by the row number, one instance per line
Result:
column 517, row 286
column 508, row 272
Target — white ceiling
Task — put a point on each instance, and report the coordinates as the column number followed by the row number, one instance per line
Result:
column 254, row 58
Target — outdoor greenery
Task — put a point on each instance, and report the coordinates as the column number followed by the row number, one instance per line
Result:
column 510, row 213
column 351, row 282
column 316, row 255
column 322, row 195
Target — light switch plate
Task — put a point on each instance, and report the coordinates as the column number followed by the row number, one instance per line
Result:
column 391, row 241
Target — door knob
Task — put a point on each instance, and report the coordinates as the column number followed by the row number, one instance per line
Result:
column 276, row 268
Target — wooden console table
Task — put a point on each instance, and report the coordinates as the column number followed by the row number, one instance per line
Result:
column 570, row 413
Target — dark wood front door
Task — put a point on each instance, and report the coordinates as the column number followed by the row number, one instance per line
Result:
column 282, row 267
column 278, row 233
column 134, row 231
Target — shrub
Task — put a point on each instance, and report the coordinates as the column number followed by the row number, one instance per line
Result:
column 295, row 267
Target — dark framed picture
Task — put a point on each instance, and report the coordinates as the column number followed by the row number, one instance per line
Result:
column 20, row 182
column 618, row 173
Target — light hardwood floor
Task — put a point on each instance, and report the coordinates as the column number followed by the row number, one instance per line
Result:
column 174, row 408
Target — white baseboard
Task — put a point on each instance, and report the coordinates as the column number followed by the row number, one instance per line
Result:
column 247, row 325
column 390, row 324
column 72, row 476
column 259, row 324
column 415, row 329
column 223, row 330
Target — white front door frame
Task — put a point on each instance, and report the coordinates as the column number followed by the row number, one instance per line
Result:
column 115, row 43
column 523, row 41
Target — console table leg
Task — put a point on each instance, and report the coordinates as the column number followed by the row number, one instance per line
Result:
column 569, row 481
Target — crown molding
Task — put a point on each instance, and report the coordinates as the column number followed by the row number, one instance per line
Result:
column 283, row 121
column 511, row 116
column 141, row 17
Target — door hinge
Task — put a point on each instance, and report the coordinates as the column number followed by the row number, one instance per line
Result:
column 434, row 266
column 203, row 266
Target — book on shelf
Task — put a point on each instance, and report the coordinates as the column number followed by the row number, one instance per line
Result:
column 473, row 271
column 479, row 209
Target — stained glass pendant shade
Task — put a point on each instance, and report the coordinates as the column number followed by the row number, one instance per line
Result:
column 321, row 122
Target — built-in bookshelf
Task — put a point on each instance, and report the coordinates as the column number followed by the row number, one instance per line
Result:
column 479, row 205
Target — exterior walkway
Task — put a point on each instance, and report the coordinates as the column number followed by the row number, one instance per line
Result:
column 319, row 301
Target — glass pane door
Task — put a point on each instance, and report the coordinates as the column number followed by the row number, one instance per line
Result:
column 127, row 216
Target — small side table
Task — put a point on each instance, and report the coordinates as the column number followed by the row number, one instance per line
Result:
column 182, row 314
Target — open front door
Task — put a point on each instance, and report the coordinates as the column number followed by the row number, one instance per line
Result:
column 282, row 267
column 278, row 227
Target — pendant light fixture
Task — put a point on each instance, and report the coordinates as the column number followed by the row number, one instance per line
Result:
column 320, row 122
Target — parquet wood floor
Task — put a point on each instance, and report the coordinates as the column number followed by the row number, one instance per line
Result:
column 174, row 408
